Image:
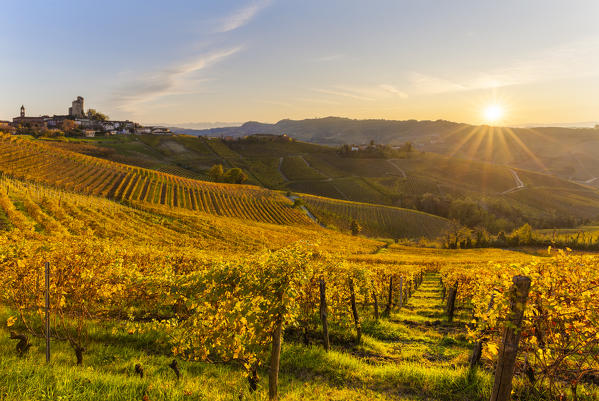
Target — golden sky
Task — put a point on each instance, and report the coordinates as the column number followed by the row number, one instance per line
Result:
column 231, row 61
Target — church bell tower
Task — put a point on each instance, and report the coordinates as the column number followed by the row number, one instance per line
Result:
column 22, row 111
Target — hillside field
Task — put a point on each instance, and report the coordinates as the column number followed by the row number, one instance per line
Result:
column 45, row 164
column 377, row 220
column 157, row 301
column 291, row 165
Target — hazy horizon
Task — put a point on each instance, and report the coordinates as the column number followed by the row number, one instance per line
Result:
column 207, row 125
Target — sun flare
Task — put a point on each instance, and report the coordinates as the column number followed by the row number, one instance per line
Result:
column 493, row 113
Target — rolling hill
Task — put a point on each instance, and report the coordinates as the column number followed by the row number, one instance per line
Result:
column 512, row 194
column 569, row 153
column 136, row 282
column 43, row 163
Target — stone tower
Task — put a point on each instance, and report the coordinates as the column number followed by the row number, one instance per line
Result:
column 22, row 111
column 77, row 110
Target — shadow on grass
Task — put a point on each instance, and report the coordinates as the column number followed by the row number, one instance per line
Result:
column 396, row 380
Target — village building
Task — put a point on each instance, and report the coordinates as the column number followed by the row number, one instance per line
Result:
column 143, row 130
column 6, row 126
column 29, row 122
column 161, row 131
column 77, row 110
column 84, row 123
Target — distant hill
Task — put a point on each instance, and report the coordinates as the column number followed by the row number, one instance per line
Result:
column 570, row 153
column 336, row 130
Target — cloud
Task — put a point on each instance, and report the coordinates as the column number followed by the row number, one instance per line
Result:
column 169, row 81
column 315, row 100
column 364, row 93
column 275, row 102
column 344, row 93
column 570, row 60
column 427, row 84
column 392, row 89
column 242, row 16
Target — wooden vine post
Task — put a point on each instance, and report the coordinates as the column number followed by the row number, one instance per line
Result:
column 354, row 309
column 275, row 353
column 390, row 301
column 506, row 362
column 453, row 292
column 400, row 303
column 324, row 313
column 442, row 290
column 376, row 305
column 275, row 358
column 47, row 309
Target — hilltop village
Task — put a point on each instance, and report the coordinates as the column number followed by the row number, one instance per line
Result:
column 77, row 122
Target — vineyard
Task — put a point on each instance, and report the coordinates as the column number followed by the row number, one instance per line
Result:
column 394, row 321
column 37, row 162
column 377, row 220
column 147, row 301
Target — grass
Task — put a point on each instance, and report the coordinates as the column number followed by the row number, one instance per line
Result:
column 412, row 355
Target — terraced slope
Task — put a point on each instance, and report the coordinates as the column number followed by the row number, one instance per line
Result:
column 376, row 220
column 39, row 162
column 39, row 212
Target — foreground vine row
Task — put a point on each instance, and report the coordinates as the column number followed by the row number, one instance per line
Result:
column 559, row 337
column 225, row 291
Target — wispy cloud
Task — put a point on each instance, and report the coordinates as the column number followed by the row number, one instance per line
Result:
column 315, row 100
column 576, row 59
column 242, row 16
column 169, row 81
column 364, row 93
column 343, row 93
column 428, row 84
column 275, row 102
column 392, row 89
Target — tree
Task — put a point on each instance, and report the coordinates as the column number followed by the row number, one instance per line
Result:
column 455, row 235
column 297, row 203
column 482, row 237
column 92, row 114
column 407, row 147
column 355, row 227
column 68, row 125
column 522, row 236
column 235, row 176
column 216, row 172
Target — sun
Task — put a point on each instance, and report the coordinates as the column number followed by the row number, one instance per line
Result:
column 493, row 113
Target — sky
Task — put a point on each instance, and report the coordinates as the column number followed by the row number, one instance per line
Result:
column 179, row 62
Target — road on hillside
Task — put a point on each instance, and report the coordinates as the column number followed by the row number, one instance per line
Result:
column 281, row 170
column 305, row 209
column 519, row 184
column 401, row 171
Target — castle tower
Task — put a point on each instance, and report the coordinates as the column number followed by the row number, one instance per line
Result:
column 22, row 111
column 77, row 110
